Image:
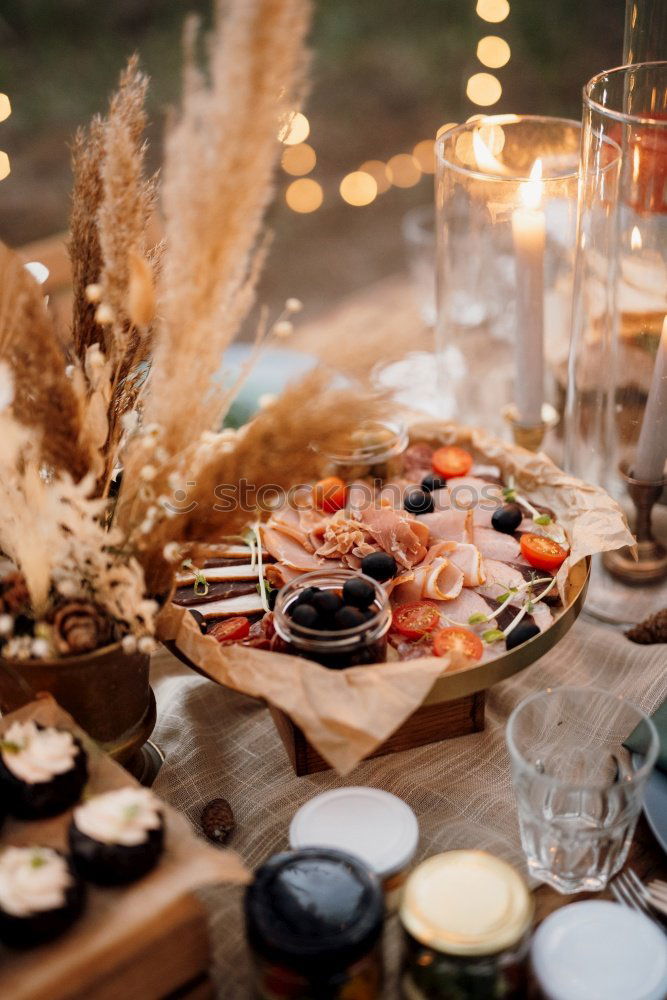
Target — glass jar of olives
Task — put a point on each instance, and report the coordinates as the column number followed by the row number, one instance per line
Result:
column 373, row 451
column 314, row 920
column 466, row 919
column 338, row 618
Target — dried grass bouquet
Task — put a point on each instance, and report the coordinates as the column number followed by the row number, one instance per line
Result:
column 136, row 387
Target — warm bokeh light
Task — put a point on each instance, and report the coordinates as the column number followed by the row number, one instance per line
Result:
column 424, row 154
column 4, row 166
column 404, row 170
column 304, row 195
column 635, row 239
column 484, row 89
column 494, row 11
column 298, row 160
column 445, row 128
column 358, row 188
column 295, row 130
column 378, row 171
column 5, row 107
column 493, row 51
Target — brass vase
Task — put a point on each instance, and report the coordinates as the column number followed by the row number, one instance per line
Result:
column 107, row 692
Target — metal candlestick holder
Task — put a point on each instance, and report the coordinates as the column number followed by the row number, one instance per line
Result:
column 647, row 561
column 530, row 436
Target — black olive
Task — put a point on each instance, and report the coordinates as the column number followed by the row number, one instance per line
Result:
column 271, row 596
column 522, row 633
column 418, row 502
column 379, row 566
column 507, row 518
column 201, row 621
column 326, row 603
column 306, row 595
column 358, row 593
column 305, row 615
column 348, row 617
column 433, row 482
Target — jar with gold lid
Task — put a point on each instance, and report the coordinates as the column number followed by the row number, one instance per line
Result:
column 466, row 918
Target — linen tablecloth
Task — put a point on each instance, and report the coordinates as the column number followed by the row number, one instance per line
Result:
column 221, row 744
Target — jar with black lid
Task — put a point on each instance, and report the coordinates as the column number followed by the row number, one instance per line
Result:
column 351, row 647
column 314, row 922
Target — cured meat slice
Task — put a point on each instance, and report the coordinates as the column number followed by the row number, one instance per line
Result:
column 496, row 545
column 287, row 550
column 468, row 603
column 449, row 525
column 438, row 580
column 403, row 537
column 465, row 556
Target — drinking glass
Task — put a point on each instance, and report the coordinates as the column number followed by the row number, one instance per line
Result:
column 419, row 238
column 578, row 789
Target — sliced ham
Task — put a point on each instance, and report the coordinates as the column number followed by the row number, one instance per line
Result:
column 439, row 580
column 496, row 545
column 465, row 556
column 541, row 615
column 214, row 574
column 449, row 525
column 499, row 579
column 288, row 521
column 468, row 603
column 285, row 549
column 402, row 536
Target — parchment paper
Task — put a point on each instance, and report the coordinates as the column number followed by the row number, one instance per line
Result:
column 111, row 916
column 346, row 714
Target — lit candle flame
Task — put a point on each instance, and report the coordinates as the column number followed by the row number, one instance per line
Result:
column 484, row 157
column 635, row 239
column 530, row 191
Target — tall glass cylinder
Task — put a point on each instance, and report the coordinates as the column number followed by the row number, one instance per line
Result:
column 506, row 189
column 616, row 415
column 645, row 37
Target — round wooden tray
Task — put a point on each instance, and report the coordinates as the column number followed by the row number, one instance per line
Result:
column 460, row 683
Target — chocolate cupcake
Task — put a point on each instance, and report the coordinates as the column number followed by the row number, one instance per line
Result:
column 117, row 837
column 40, row 896
column 42, row 770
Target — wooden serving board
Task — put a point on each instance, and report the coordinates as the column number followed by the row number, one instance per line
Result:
column 141, row 942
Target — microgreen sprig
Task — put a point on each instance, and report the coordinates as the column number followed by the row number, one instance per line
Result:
column 201, row 583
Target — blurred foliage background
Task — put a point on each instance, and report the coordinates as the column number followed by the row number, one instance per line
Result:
column 386, row 74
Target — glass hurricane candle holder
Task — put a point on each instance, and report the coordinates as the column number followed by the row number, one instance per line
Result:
column 616, row 414
column 506, row 193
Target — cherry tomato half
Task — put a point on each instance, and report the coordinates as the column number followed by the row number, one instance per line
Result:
column 451, row 462
column 457, row 640
column 416, row 619
column 230, row 629
column 541, row 552
column 330, row 494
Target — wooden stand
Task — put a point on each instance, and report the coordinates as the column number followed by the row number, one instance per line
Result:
column 431, row 723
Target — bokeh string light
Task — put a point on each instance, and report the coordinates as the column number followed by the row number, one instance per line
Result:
column 404, row 170
column 5, row 112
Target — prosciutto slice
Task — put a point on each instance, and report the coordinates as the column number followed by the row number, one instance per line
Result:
column 286, row 549
column 402, row 536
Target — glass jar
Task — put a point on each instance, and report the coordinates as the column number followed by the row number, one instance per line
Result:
column 351, row 647
column 375, row 451
column 370, row 823
column 314, row 922
column 466, row 919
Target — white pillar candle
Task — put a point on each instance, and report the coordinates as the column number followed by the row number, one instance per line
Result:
column 651, row 452
column 529, row 234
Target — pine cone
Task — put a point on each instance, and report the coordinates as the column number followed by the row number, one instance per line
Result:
column 217, row 820
column 80, row 627
column 652, row 629
column 14, row 596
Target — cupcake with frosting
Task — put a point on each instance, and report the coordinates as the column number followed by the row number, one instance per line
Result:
column 40, row 896
column 117, row 837
column 42, row 770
